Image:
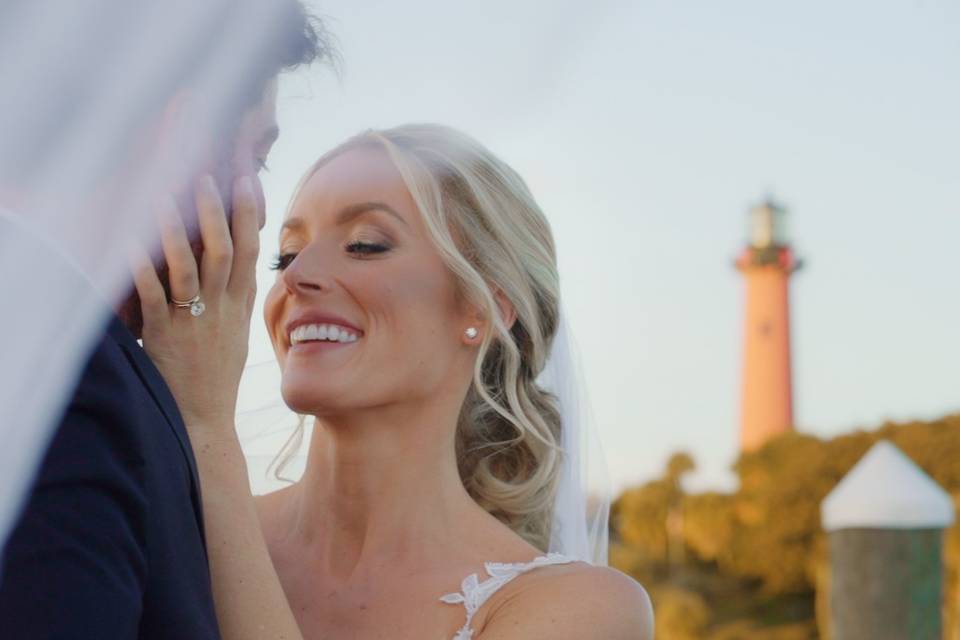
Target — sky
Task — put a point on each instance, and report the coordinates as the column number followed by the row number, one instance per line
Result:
column 646, row 130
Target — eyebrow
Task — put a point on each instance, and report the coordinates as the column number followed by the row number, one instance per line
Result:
column 352, row 211
column 346, row 214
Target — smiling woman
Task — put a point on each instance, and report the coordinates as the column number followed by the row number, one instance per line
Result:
column 415, row 234
column 415, row 305
column 382, row 226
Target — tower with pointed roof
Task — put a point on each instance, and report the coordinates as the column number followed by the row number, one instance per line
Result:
column 885, row 522
column 767, row 262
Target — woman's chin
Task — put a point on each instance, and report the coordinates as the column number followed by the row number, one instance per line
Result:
column 306, row 400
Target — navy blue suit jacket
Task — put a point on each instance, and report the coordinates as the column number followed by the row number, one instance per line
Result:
column 110, row 545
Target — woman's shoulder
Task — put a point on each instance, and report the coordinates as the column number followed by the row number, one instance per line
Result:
column 575, row 600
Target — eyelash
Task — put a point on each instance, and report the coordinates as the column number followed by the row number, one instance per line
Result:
column 283, row 260
column 261, row 165
column 366, row 248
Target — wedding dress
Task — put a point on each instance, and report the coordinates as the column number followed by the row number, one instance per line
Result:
column 475, row 593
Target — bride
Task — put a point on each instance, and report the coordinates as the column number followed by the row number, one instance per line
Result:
column 414, row 306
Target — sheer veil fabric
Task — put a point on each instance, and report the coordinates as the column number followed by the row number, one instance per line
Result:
column 82, row 81
column 581, row 507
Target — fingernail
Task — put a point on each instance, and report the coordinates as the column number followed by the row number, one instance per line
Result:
column 209, row 183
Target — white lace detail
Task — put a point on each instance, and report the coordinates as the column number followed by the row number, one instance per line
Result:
column 475, row 593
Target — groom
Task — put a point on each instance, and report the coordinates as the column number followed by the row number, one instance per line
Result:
column 110, row 543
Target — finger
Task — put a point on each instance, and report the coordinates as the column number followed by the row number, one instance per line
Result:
column 153, row 299
column 246, row 236
column 217, row 244
column 182, row 265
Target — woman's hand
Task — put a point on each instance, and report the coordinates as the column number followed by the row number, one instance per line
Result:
column 201, row 357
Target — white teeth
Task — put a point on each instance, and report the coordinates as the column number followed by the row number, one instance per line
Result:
column 328, row 332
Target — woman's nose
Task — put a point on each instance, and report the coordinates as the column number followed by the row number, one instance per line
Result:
column 302, row 277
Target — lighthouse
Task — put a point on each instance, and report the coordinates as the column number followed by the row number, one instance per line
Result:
column 767, row 262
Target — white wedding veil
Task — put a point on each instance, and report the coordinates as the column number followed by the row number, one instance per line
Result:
column 582, row 506
column 81, row 81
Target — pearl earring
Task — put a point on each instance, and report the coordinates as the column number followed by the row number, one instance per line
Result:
column 472, row 332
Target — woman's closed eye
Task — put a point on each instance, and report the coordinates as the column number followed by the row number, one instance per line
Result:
column 359, row 247
column 281, row 261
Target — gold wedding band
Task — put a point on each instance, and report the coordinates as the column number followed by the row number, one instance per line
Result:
column 196, row 307
column 185, row 304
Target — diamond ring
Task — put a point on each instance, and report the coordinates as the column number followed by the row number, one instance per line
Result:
column 196, row 307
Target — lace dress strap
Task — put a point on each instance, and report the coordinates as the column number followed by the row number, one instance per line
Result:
column 475, row 593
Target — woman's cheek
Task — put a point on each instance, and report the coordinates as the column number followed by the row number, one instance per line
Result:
column 271, row 310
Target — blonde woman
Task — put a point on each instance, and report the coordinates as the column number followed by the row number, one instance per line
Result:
column 415, row 303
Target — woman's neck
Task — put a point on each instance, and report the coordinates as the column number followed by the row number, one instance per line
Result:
column 380, row 487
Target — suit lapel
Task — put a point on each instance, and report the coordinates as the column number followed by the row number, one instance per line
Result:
column 164, row 400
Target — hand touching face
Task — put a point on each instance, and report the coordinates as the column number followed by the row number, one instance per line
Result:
column 241, row 154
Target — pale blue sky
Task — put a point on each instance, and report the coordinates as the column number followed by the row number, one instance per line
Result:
column 646, row 129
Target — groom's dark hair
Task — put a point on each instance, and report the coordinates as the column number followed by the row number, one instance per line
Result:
column 297, row 38
column 72, row 65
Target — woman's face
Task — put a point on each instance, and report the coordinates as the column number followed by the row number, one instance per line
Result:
column 363, row 312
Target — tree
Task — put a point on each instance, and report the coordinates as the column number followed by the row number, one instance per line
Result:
column 641, row 515
column 768, row 530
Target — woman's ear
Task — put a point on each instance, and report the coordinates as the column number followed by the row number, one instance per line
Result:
column 478, row 324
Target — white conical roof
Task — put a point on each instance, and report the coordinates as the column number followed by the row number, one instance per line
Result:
column 887, row 490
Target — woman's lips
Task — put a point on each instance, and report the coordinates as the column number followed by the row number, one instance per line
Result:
column 317, row 346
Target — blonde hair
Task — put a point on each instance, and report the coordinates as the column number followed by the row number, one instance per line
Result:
column 493, row 237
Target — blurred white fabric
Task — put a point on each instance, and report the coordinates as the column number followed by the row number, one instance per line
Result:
column 51, row 314
column 582, row 507
column 82, row 82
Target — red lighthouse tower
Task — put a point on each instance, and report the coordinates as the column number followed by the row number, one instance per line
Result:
column 766, row 264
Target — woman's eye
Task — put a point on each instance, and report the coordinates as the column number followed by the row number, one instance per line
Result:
column 282, row 261
column 366, row 248
column 261, row 165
